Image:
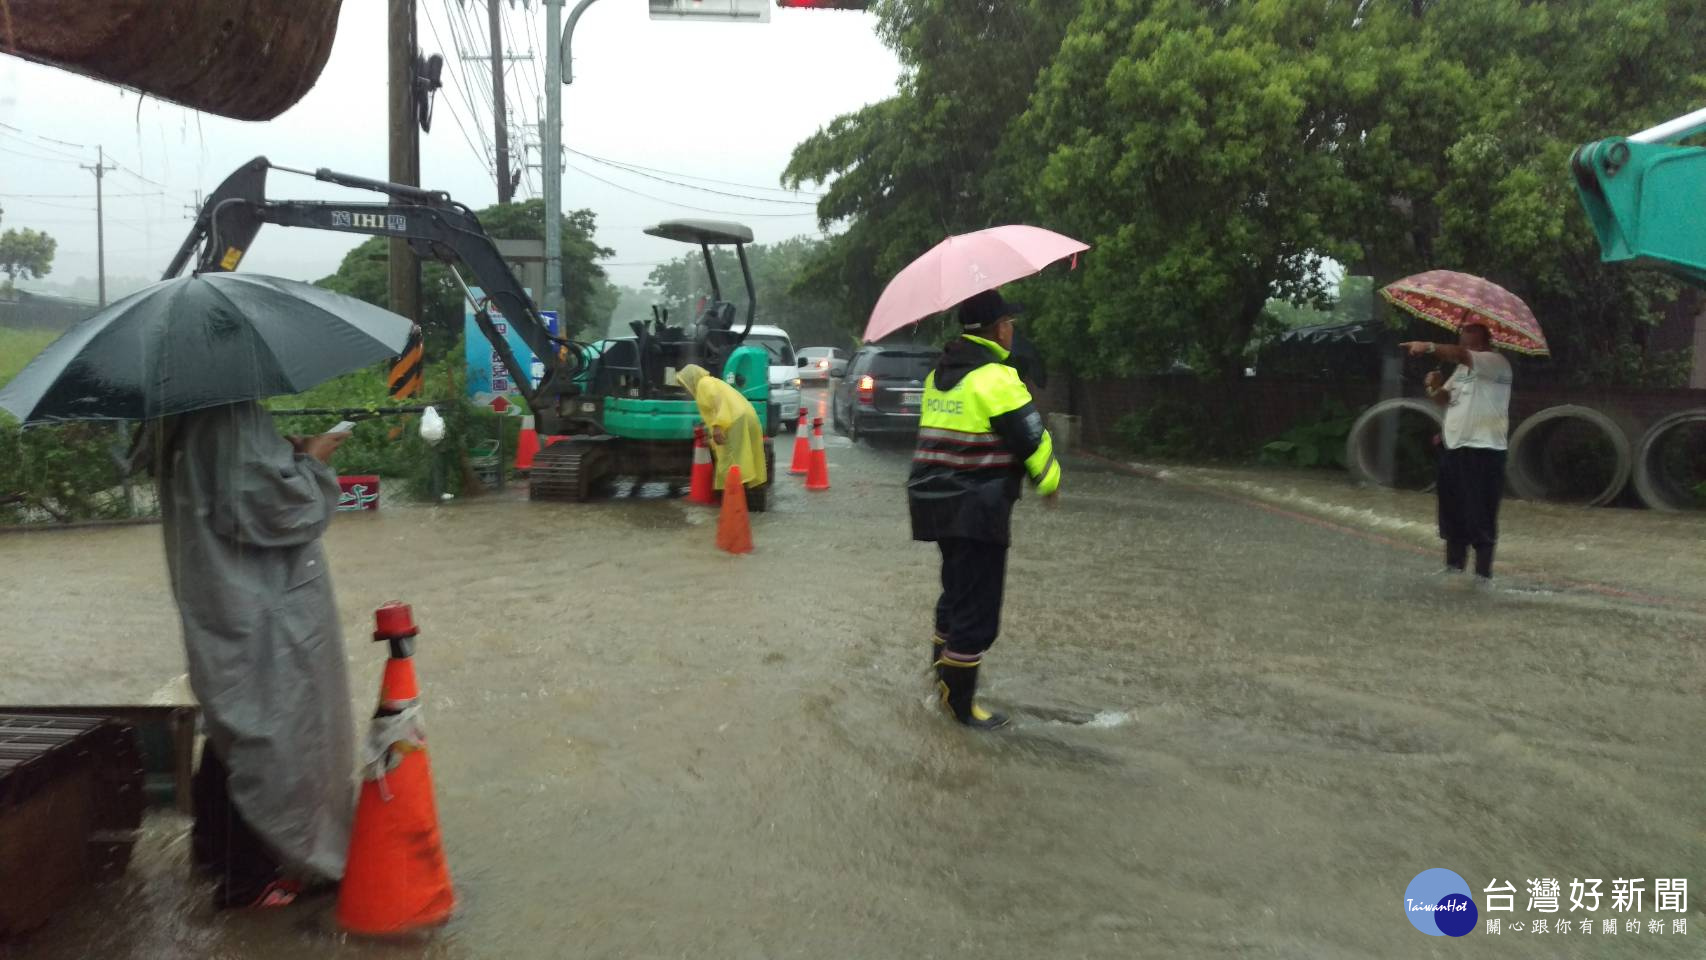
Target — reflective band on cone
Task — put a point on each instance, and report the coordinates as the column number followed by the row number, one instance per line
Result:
column 817, row 478
column 397, row 880
column 802, row 447
column 734, row 527
column 703, row 480
column 527, row 447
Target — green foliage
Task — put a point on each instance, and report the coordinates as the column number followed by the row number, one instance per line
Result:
column 1200, row 167
column 407, row 462
column 64, row 473
column 26, row 253
column 1217, row 154
column 1178, row 430
column 906, row 172
column 1316, row 442
column 1353, row 304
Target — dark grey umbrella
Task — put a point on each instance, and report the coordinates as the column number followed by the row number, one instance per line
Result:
column 198, row 342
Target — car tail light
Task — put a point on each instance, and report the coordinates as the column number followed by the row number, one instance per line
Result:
column 823, row 364
column 867, row 389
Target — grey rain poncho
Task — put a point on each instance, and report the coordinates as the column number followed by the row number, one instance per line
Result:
column 243, row 513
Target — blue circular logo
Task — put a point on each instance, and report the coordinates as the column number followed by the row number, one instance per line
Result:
column 1438, row 903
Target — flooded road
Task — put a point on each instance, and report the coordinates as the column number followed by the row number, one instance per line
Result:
column 1238, row 733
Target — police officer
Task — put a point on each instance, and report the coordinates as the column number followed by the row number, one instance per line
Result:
column 978, row 435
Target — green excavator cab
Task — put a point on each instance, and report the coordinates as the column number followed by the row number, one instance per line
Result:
column 1645, row 196
column 629, row 417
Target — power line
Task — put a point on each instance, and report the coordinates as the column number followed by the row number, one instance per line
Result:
column 37, row 146
column 470, row 83
column 450, row 104
column 16, row 135
column 720, row 193
column 684, row 206
column 76, row 196
column 531, row 71
column 465, row 88
column 523, row 130
column 38, row 159
column 690, row 176
column 124, row 169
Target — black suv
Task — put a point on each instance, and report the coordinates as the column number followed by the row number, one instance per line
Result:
column 882, row 390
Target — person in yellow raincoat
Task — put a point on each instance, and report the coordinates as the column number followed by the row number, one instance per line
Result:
column 737, row 438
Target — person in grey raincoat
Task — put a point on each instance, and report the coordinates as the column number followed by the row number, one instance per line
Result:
column 243, row 510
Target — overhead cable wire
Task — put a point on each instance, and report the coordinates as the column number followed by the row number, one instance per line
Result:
column 684, row 206
column 678, row 183
column 691, row 176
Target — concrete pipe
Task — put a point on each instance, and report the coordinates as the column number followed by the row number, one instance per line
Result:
column 1571, row 454
column 1417, row 421
column 1669, row 461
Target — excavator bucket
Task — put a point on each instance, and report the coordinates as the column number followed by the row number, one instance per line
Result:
column 1644, row 201
column 248, row 61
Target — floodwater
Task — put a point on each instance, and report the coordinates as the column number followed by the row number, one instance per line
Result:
column 1241, row 729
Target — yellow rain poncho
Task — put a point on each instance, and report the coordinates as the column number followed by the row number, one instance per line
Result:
column 723, row 408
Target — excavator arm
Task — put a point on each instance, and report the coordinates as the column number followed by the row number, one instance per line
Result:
column 434, row 225
column 1645, row 194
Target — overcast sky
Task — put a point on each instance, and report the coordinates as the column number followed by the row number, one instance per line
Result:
column 721, row 101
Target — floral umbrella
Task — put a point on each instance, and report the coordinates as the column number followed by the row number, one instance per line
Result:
column 1453, row 300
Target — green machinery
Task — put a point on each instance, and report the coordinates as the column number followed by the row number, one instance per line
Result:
column 627, row 417
column 616, row 402
column 1646, row 197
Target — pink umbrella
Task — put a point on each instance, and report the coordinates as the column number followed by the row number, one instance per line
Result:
column 960, row 266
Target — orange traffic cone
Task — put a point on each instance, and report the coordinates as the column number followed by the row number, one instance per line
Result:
column 527, row 446
column 802, row 446
column 818, row 478
column 700, row 490
column 734, row 530
column 397, row 880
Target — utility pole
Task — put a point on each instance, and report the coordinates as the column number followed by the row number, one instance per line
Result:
column 405, row 163
column 559, row 73
column 499, row 121
column 550, row 159
column 100, row 170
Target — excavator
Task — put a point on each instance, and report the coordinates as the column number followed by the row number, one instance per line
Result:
column 616, row 403
column 1644, row 194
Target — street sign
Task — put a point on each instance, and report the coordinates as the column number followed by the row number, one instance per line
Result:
column 743, row 11
column 488, row 378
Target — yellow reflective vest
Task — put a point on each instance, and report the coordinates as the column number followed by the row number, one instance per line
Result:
column 979, row 433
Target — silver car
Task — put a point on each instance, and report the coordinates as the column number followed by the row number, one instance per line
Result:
column 818, row 364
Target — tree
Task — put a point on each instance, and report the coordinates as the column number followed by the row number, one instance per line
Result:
column 631, row 304
column 1218, row 154
column 926, row 163
column 1554, row 77
column 26, row 253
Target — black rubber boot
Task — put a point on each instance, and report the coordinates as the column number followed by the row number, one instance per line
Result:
column 957, row 683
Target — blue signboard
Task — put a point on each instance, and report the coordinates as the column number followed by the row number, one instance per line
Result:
column 488, row 379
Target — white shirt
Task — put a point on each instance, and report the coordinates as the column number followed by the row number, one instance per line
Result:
column 1479, row 413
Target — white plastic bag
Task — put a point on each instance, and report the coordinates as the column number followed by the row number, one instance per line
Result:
column 432, row 426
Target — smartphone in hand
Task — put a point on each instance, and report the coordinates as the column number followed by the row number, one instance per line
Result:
column 343, row 427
